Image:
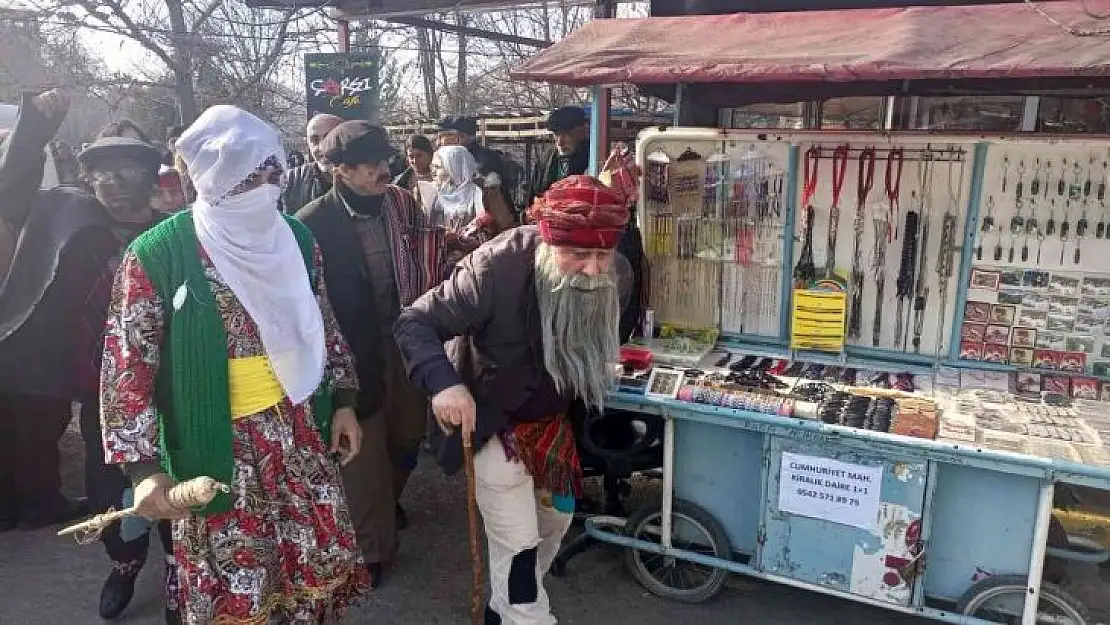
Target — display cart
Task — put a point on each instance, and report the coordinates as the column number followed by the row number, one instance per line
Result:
column 967, row 270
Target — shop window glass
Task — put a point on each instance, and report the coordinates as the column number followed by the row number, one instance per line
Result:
column 836, row 114
column 785, row 116
column 1074, row 115
column 988, row 113
column 852, row 114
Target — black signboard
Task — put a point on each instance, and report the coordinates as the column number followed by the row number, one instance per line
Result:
column 342, row 84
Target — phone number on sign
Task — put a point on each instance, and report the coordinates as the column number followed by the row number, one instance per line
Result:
column 837, row 499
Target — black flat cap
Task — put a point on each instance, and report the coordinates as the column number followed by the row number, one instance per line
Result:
column 356, row 143
column 465, row 125
column 566, row 119
column 110, row 148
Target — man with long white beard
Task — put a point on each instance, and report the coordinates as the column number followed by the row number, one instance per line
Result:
column 531, row 317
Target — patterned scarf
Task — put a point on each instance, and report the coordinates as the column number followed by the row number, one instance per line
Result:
column 549, row 453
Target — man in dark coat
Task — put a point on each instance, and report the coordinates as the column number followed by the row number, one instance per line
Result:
column 464, row 131
column 569, row 156
column 369, row 233
column 531, row 319
column 53, row 305
column 310, row 181
column 35, row 392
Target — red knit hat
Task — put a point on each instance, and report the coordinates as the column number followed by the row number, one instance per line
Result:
column 580, row 211
column 168, row 178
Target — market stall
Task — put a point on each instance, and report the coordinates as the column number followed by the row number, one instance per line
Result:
column 879, row 357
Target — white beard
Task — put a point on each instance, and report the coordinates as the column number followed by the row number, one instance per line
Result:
column 580, row 320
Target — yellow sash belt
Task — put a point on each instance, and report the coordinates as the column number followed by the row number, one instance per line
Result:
column 253, row 386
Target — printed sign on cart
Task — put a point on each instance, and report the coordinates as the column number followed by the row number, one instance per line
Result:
column 822, row 488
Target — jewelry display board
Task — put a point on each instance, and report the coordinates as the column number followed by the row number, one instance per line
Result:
column 1039, row 286
column 884, row 216
column 977, row 251
column 712, row 215
column 762, row 229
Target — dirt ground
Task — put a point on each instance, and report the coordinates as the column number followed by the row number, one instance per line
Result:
column 49, row 580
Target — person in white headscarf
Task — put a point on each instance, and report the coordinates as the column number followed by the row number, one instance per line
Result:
column 223, row 358
column 469, row 211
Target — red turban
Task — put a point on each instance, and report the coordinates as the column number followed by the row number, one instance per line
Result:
column 580, row 211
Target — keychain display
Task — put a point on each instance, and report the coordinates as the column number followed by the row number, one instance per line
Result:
column 715, row 212
column 713, row 236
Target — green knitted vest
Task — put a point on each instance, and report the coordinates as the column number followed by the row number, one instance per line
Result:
column 192, row 392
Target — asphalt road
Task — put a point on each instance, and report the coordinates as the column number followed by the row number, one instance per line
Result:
column 49, row 580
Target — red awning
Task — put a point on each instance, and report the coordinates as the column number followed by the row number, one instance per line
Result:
column 1005, row 41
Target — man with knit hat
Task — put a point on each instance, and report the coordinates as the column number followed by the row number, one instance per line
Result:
column 530, row 320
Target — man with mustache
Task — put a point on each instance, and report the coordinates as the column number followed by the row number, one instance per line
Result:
column 312, row 180
column 531, row 319
column 369, row 232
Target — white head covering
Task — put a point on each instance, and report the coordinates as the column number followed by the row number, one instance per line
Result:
column 462, row 196
column 250, row 244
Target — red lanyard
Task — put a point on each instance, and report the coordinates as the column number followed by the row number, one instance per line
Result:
column 866, row 178
column 840, row 167
column 894, row 158
column 809, row 174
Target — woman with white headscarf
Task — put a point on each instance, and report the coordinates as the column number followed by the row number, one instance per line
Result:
column 469, row 214
column 223, row 358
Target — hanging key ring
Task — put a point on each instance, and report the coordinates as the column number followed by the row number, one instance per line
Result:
column 840, row 167
column 894, row 160
column 866, row 179
column 809, row 173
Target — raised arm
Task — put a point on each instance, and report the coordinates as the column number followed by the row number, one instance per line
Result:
column 23, row 153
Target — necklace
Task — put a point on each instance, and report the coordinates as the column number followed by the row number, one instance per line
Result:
column 805, row 271
column 839, row 167
column 865, row 181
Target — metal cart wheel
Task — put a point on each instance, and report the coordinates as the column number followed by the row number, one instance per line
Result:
column 692, row 529
column 1001, row 600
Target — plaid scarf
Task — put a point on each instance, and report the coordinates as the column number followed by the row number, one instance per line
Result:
column 549, row 453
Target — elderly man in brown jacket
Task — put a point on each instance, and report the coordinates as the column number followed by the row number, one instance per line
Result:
column 532, row 320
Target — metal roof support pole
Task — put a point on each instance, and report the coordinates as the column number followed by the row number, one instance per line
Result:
column 601, row 99
column 679, row 89
column 599, row 122
column 1029, row 112
column 889, row 103
column 915, row 104
column 344, row 28
column 811, row 114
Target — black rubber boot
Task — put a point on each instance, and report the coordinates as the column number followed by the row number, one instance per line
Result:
column 402, row 518
column 118, row 590
column 375, row 570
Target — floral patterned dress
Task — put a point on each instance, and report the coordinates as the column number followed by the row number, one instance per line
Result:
column 286, row 552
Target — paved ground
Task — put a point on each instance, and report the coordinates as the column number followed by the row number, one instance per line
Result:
column 48, row 580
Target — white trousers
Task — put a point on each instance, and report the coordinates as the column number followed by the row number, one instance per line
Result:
column 523, row 534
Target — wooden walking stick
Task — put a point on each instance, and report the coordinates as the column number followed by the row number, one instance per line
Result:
column 477, row 612
column 195, row 493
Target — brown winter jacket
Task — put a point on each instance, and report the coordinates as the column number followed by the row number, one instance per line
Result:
column 481, row 328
